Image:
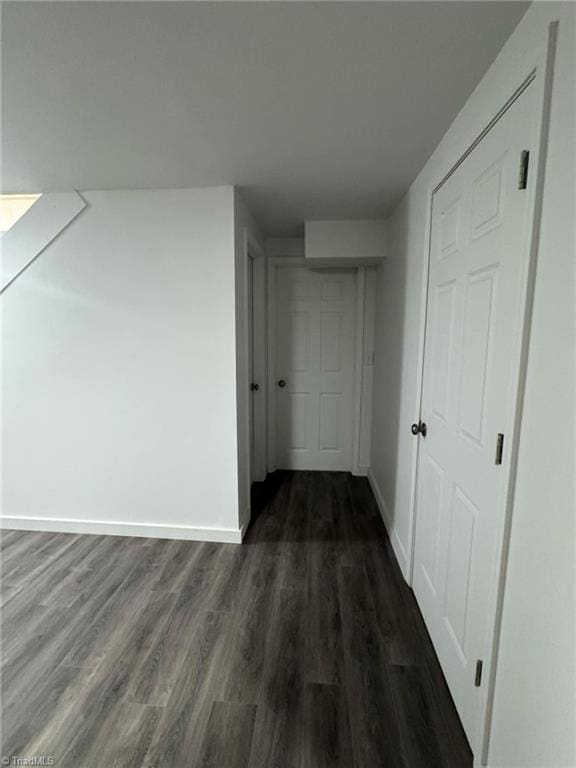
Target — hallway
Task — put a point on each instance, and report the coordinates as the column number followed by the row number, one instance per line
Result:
column 303, row 648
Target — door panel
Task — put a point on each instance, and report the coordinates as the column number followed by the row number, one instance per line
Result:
column 432, row 485
column 443, row 340
column 331, row 342
column 463, row 514
column 474, row 317
column 330, row 409
column 315, row 357
column 479, row 315
column 299, row 349
column 294, row 421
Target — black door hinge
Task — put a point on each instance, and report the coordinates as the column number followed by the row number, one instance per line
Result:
column 499, row 448
column 523, row 174
column 478, row 677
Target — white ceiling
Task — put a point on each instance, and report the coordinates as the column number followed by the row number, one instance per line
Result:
column 315, row 110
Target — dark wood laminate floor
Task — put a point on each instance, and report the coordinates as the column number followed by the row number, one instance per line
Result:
column 303, row 648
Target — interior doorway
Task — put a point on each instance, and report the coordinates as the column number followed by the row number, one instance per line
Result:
column 319, row 365
column 253, row 362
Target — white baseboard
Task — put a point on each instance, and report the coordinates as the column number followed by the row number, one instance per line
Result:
column 114, row 528
column 397, row 545
column 361, row 471
column 245, row 520
column 243, row 529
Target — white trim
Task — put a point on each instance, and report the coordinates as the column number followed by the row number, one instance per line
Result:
column 359, row 322
column 397, row 545
column 252, row 244
column 288, row 261
column 243, row 528
column 251, row 254
column 540, row 72
column 255, row 252
column 118, row 528
column 242, row 383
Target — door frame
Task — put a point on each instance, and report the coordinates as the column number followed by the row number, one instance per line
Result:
column 250, row 312
column 539, row 76
column 274, row 262
column 256, row 442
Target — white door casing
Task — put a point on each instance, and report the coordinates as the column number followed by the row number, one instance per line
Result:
column 314, row 351
column 251, row 368
column 475, row 315
column 255, row 351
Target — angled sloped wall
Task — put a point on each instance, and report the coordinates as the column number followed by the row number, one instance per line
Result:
column 30, row 235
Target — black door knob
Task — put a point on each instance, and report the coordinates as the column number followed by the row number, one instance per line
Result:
column 254, row 387
column 419, row 429
column 281, row 383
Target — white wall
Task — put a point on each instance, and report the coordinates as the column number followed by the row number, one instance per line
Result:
column 534, row 708
column 355, row 242
column 119, row 396
column 284, row 246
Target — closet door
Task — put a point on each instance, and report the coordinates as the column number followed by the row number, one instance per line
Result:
column 474, row 317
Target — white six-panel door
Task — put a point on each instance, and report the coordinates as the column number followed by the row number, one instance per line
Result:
column 314, row 368
column 474, row 316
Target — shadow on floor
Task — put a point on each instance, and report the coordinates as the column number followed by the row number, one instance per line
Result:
column 296, row 505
